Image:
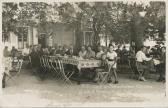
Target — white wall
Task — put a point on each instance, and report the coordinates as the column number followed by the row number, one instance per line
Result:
column 13, row 41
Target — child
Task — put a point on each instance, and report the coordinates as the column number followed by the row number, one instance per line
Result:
column 112, row 63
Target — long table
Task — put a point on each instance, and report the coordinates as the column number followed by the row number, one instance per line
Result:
column 80, row 63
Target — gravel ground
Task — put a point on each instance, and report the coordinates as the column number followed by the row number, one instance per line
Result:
column 28, row 90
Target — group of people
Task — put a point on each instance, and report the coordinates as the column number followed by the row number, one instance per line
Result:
column 107, row 54
column 146, row 55
column 86, row 52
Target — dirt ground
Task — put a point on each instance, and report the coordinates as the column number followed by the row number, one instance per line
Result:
column 28, row 90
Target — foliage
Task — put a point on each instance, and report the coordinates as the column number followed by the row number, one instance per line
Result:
column 120, row 20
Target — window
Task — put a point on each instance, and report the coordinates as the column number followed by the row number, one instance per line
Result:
column 22, row 33
column 88, row 37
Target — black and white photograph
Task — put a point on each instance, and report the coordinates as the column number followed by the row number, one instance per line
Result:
column 83, row 53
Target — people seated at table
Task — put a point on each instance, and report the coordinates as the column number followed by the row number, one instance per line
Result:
column 90, row 53
column 82, row 52
column 141, row 60
column 59, row 50
column 65, row 50
column 99, row 53
column 45, row 51
column 52, row 51
column 70, row 51
column 112, row 62
column 161, row 66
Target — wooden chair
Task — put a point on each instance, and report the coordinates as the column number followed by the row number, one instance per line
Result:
column 102, row 74
column 134, row 68
column 43, row 66
column 16, row 68
column 65, row 75
column 47, row 66
column 55, row 67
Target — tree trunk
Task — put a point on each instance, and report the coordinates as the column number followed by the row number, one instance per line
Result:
column 138, row 32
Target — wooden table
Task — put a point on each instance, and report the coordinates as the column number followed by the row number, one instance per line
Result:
column 80, row 63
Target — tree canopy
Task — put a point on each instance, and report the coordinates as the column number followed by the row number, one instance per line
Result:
column 117, row 19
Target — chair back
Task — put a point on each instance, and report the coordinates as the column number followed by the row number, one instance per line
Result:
column 60, row 65
column 133, row 64
column 44, row 61
column 48, row 62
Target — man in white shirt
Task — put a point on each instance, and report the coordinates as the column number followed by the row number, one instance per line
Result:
column 112, row 63
column 141, row 59
column 26, row 51
column 26, row 55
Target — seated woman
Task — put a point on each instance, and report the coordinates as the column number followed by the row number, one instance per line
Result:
column 82, row 52
column 90, row 53
column 99, row 53
column 88, row 72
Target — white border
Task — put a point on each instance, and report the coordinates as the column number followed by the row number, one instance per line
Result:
column 149, row 104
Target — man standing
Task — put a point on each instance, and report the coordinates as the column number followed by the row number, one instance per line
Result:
column 141, row 62
column 161, row 68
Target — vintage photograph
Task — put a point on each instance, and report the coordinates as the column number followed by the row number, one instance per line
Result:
column 83, row 53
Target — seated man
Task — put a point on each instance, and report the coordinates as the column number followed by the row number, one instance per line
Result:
column 52, row 51
column 140, row 59
column 65, row 50
column 59, row 50
column 90, row 53
column 71, row 51
column 26, row 52
column 83, row 51
column 45, row 51
column 112, row 62
column 99, row 53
